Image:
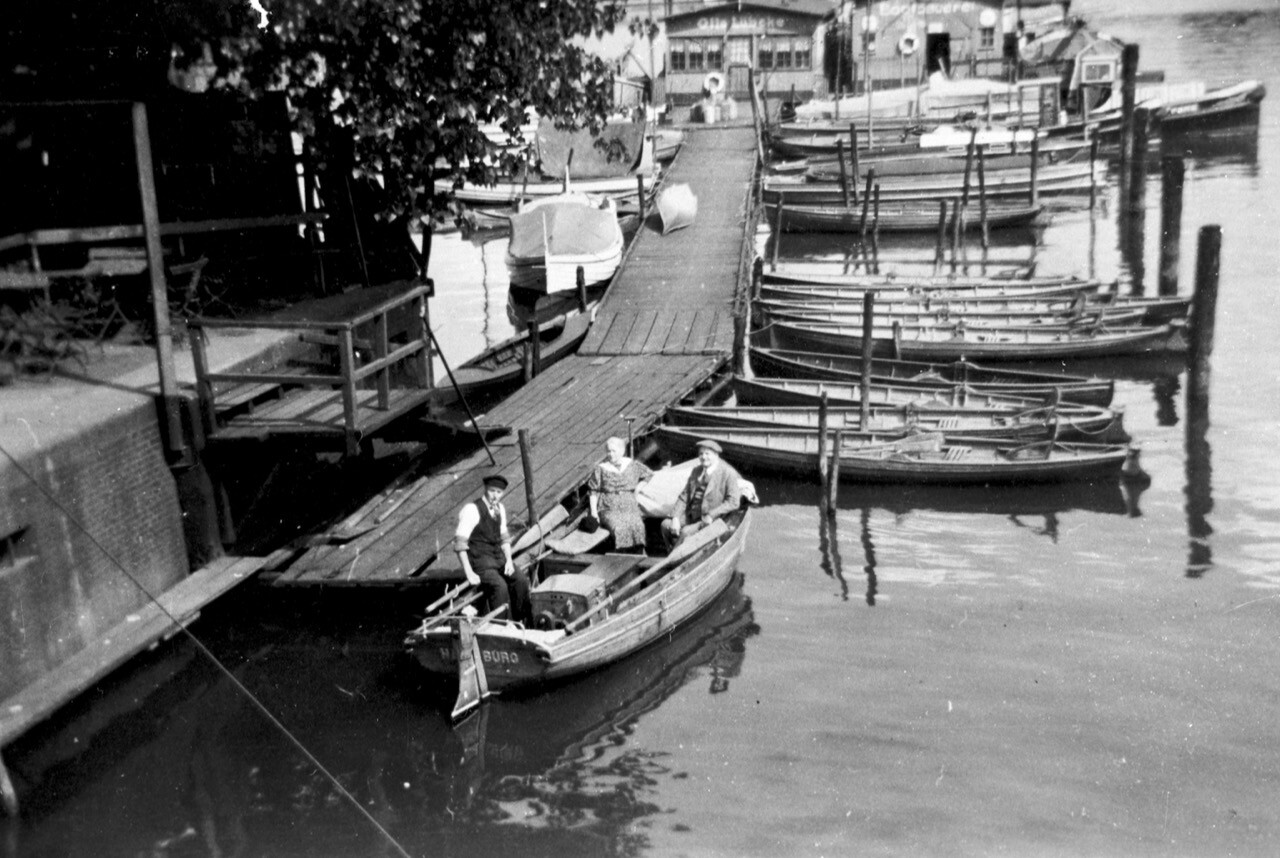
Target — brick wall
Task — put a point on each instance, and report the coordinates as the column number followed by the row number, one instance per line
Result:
column 61, row 588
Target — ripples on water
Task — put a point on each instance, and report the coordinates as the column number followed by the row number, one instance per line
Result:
column 1065, row 670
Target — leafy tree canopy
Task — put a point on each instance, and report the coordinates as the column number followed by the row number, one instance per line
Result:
column 404, row 86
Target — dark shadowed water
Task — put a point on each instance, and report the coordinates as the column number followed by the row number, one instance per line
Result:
column 1073, row 670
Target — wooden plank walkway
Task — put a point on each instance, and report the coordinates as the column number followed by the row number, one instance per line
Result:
column 664, row 327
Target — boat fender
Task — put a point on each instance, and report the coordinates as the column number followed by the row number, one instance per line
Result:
column 908, row 44
column 713, row 83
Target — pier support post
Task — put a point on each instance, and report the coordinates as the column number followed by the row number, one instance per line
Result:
column 1136, row 200
column 1035, row 172
column 526, row 462
column 939, row 252
column 833, row 474
column 535, row 350
column 982, row 197
column 1204, row 305
column 868, row 332
column 580, row 283
column 1128, row 87
column 1172, row 172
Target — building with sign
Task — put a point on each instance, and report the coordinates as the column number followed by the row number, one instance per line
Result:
column 900, row 42
column 710, row 48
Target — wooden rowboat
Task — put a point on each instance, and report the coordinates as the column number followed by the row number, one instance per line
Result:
column 998, row 381
column 985, row 344
column 502, row 365
column 554, row 237
column 955, row 424
column 822, row 190
column 892, row 217
column 946, row 316
column 904, row 289
column 926, row 458
column 677, row 206
column 774, row 392
column 592, row 610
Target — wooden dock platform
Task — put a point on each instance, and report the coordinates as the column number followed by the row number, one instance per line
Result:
column 666, row 325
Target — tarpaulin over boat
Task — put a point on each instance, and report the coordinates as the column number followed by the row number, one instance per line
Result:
column 573, row 228
column 614, row 153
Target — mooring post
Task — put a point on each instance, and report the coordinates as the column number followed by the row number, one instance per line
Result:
column 640, row 195
column 1204, row 304
column 866, row 203
column 1128, row 89
column 968, row 166
column 1138, row 162
column 982, row 197
column 580, row 283
column 1172, row 171
column 875, row 230
column 740, row 342
column 1035, row 171
column 868, row 343
column 957, row 212
column 526, row 462
column 822, row 438
column 777, row 234
column 844, row 180
column 833, row 474
column 853, row 155
column 1093, row 174
column 939, row 252
column 535, row 349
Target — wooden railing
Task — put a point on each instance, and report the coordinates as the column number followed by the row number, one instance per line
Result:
column 340, row 333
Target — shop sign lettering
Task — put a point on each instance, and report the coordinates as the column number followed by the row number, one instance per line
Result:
column 941, row 7
column 754, row 23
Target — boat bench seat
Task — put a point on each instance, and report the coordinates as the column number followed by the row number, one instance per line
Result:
column 614, row 569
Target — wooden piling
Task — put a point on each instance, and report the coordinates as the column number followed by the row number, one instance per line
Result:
column 1093, row 173
column 822, row 438
column 777, row 234
column 866, row 202
column 1204, row 304
column 844, row 179
column 1136, row 199
column 982, row 197
column 853, row 154
column 875, row 230
column 939, row 252
column 833, row 474
column 957, row 212
column 1128, row 90
column 580, row 283
column 1035, row 171
column 526, row 462
column 535, row 349
column 968, row 166
column 868, row 341
column 1172, row 172
column 640, row 195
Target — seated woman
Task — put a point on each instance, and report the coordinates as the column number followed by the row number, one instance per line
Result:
column 613, row 496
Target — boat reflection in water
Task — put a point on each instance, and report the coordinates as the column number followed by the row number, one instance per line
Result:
column 535, row 770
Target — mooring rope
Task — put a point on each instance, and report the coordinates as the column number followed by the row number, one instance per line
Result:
column 261, row 707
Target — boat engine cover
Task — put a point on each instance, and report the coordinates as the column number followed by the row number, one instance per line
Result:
column 561, row 599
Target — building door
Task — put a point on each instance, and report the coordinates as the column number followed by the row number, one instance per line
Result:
column 937, row 53
column 738, row 62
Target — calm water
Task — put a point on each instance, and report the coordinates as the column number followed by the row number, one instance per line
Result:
column 1050, row 671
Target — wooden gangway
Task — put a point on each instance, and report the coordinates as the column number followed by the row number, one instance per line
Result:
column 666, row 325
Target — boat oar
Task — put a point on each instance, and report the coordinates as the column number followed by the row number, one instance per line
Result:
column 470, row 414
column 681, row 552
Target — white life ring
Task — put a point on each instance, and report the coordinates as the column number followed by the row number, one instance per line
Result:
column 907, row 44
column 713, row 83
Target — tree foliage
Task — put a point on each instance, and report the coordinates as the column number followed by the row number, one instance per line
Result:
column 403, row 87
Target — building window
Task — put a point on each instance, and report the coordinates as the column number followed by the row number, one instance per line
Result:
column 765, row 54
column 801, row 54
column 697, row 61
column 783, row 56
column 987, row 38
column 679, row 59
column 715, row 54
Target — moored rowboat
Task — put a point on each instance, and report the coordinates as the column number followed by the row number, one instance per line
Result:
column 892, row 217
column 926, row 458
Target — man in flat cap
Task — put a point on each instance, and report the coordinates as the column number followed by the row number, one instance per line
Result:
column 484, row 547
column 712, row 490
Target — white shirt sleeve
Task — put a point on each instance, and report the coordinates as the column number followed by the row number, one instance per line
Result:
column 468, row 518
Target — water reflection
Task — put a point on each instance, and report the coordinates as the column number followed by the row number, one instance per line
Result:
column 232, row 783
column 1199, row 497
column 829, row 546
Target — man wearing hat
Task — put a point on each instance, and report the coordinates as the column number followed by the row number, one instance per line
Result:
column 712, row 490
column 484, row 547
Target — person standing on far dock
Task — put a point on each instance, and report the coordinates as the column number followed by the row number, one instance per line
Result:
column 484, row 547
column 714, row 489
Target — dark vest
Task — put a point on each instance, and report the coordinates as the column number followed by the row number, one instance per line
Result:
column 484, row 546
